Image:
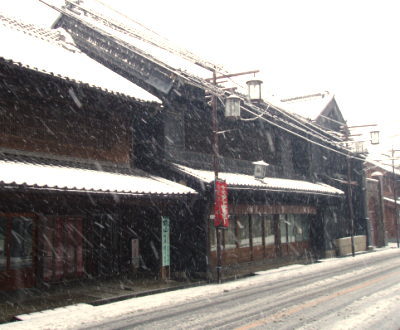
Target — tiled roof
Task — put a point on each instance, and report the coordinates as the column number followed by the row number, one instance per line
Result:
column 52, row 177
column 236, row 180
column 53, row 52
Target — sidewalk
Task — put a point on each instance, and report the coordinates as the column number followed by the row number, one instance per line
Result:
column 94, row 292
column 15, row 305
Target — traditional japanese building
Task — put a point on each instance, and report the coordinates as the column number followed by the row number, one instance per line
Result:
column 296, row 209
column 73, row 201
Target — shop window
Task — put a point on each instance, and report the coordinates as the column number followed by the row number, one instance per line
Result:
column 294, row 228
column 283, row 228
column 269, row 230
column 291, row 228
column 16, row 235
column 21, row 242
column 257, row 229
column 303, row 225
column 62, row 248
column 230, row 236
column 243, row 230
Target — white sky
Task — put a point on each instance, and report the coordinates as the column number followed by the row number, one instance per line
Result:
column 350, row 48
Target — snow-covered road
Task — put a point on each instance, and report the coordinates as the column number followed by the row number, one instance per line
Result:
column 359, row 293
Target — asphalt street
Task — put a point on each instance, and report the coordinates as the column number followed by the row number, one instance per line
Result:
column 361, row 292
column 336, row 297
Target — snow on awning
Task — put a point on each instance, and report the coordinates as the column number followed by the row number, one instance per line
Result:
column 52, row 177
column 244, row 181
column 391, row 200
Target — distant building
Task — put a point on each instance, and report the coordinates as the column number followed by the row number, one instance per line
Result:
column 381, row 202
column 320, row 108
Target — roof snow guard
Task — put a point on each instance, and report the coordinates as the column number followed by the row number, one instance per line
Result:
column 244, row 181
column 51, row 177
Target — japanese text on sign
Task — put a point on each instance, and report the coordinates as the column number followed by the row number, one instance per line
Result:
column 221, row 214
column 165, row 241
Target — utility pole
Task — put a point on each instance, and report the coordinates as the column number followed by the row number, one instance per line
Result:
column 374, row 140
column 350, row 202
column 216, row 169
column 220, row 186
column 396, row 215
column 349, row 192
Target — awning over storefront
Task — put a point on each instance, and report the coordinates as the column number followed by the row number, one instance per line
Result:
column 54, row 177
column 243, row 181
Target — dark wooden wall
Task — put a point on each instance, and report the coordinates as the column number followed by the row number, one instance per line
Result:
column 48, row 115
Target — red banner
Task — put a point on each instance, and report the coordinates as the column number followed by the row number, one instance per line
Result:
column 221, row 214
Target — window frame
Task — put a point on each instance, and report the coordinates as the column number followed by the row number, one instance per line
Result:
column 8, row 239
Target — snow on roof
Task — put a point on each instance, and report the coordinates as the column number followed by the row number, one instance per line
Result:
column 170, row 59
column 53, row 52
column 134, row 33
column 86, row 180
column 272, row 184
column 386, row 167
column 308, row 106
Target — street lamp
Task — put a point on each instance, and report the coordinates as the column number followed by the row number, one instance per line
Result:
column 260, row 169
column 232, row 107
column 232, row 110
column 374, row 137
column 254, row 89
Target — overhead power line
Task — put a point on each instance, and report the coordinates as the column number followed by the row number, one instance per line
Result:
column 309, row 129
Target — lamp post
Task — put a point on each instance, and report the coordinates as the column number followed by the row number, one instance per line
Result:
column 215, row 150
column 232, row 110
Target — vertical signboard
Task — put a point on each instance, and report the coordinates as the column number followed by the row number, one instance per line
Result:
column 135, row 253
column 165, row 241
column 221, row 214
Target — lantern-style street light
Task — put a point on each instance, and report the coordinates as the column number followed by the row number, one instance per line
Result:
column 254, row 89
column 232, row 107
column 260, row 169
column 374, row 137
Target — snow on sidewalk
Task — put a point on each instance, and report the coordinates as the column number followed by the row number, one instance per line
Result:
column 84, row 315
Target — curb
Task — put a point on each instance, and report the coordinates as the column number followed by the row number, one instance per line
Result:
column 144, row 293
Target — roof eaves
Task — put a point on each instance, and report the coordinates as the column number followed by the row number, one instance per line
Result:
column 77, row 82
